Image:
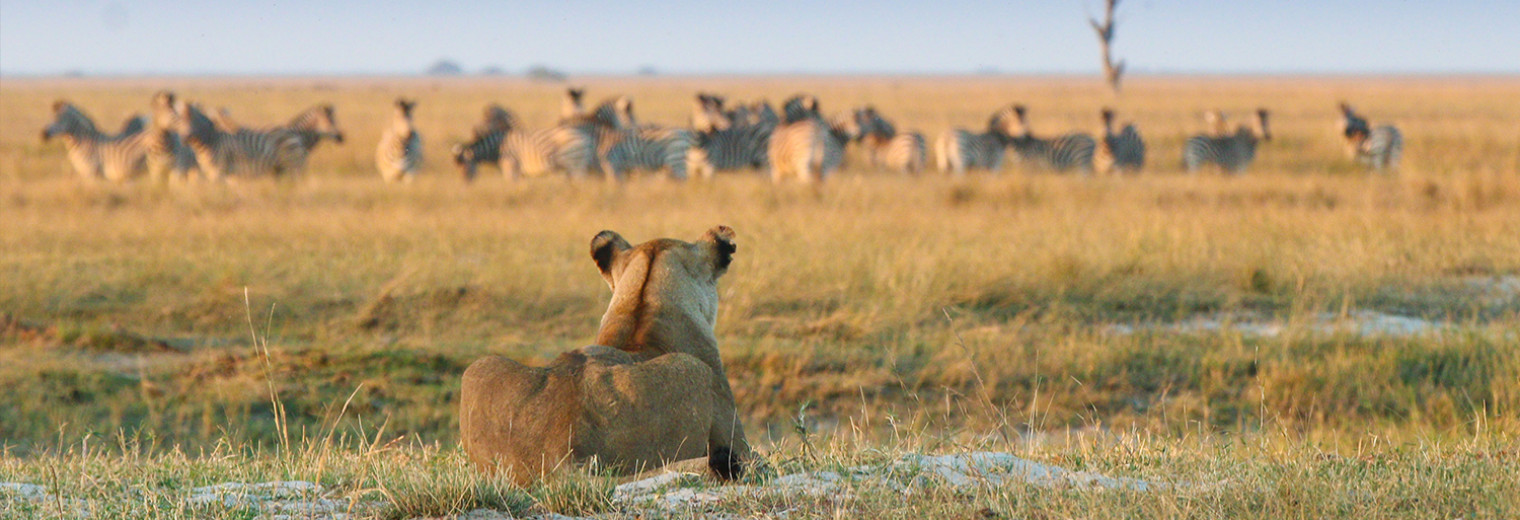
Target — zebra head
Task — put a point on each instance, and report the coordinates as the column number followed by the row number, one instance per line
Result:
column 192, row 123
column 224, row 120
column 799, row 107
column 1215, row 121
column 162, row 111
column 134, row 124
column 873, row 125
column 762, row 113
column 1020, row 123
column 1108, row 120
column 495, row 119
column 464, row 158
column 615, row 113
column 1353, row 126
column 68, row 120
column 707, row 113
column 1263, row 131
column 1004, row 123
column 571, row 106
column 401, row 119
column 321, row 121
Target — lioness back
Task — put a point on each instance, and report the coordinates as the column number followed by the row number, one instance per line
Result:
column 596, row 403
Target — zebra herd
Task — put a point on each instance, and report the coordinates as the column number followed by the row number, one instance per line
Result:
column 798, row 142
column 179, row 139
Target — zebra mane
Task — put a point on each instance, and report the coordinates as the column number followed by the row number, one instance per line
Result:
column 72, row 120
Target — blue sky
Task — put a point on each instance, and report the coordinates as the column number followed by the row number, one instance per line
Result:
column 777, row 36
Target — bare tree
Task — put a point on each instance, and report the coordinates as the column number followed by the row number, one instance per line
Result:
column 1113, row 72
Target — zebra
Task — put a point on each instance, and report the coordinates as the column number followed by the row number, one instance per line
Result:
column 570, row 107
column 1378, row 148
column 221, row 154
column 399, row 153
column 607, row 126
column 485, row 143
column 95, row 154
column 495, row 118
column 1232, row 153
column 167, row 150
column 885, row 147
column 1072, row 151
column 623, row 144
column 1123, row 152
column 142, row 144
column 804, row 145
column 736, row 139
column 500, row 140
column 960, row 150
column 311, row 125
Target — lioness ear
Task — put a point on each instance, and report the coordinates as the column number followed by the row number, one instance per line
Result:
column 721, row 239
column 604, row 249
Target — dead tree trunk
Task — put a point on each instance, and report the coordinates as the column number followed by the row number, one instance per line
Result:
column 1112, row 72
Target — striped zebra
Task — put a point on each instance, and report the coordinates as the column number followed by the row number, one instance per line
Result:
column 1122, row 152
column 496, row 119
column 652, row 148
column 95, row 154
column 1232, row 153
column 166, row 149
column 220, row 154
column 523, row 153
column 399, row 153
column 960, row 150
column 487, row 137
column 1072, row 151
column 1378, row 148
column 886, row 148
column 570, row 107
column 608, row 125
column 310, row 127
column 804, row 146
column 739, row 146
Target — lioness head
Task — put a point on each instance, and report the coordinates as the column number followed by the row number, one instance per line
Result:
column 661, row 289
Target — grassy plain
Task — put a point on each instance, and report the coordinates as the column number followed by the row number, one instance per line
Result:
column 1024, row 311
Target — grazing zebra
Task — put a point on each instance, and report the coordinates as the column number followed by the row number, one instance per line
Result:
column 885, row 147
column 399, row 154
column 804, row 145
column 1378, row 148
column 960, row 150
column 570, row 107
column 1073, row 151
column 1122, row 152
column 95, row 154
column 1232, row 153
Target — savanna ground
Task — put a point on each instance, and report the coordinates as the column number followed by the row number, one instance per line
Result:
column 1166, row 327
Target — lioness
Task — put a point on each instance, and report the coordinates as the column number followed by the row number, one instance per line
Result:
column 651, row 391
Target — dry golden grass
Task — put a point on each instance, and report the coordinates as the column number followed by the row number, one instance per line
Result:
column 872, row 308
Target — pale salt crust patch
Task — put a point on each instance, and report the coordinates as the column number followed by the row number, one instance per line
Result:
column 1361, row 323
